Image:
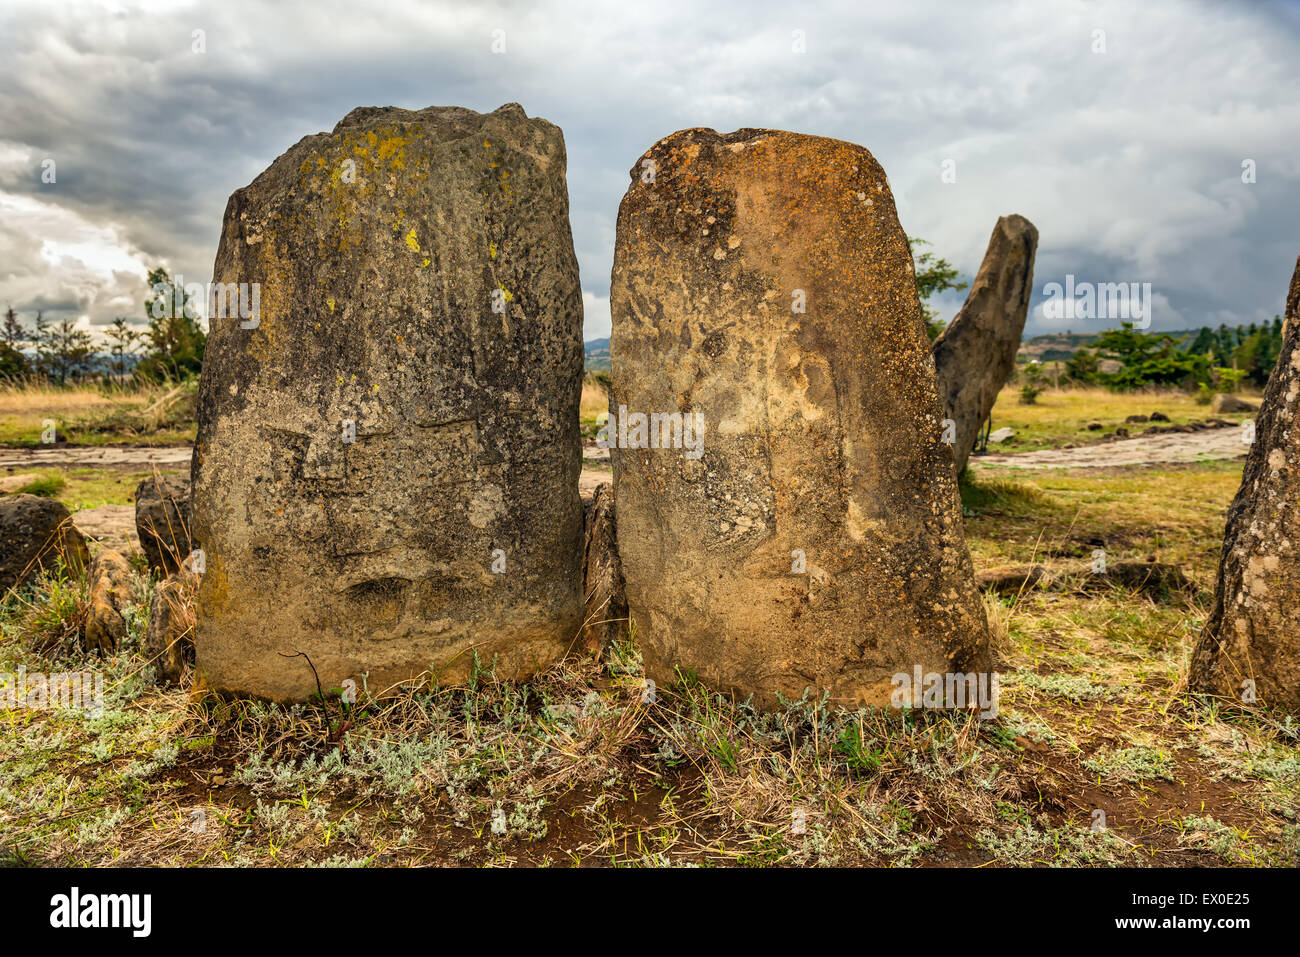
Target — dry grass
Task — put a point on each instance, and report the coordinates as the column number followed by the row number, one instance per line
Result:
column 595, row 399
column 91, row 414
column 581, row 767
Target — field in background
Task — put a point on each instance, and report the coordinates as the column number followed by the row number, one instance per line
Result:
column 89, row 415
column 1061, row 416
column 595, row 402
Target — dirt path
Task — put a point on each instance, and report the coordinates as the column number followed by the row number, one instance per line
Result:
column 132, row 458
column 1169, row 447
column 1162, row 449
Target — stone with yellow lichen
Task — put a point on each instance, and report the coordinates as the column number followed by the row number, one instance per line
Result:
column 386, row 468
column 815, row 541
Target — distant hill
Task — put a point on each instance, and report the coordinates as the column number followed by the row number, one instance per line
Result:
column 597, row 355
column 1053, row 347
column 1059, row 346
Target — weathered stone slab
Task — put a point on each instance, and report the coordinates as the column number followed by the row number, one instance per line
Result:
column 162, row 521
column 108, row 595
column 1250, row 649
column 977, row 351
column 605, row 609
column 385, row 477
column 806, row 532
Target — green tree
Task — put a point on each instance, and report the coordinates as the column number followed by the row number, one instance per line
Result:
column 1225, row 343
column 13, row 361
column 175, row 338
column 63, row 351
column 122, row 343
column 1204, row 342
column 1083, row 366
column 1149, row 359
column 934, row 275
column 1034, row 382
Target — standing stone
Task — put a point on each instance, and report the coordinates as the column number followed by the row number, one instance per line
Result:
column 162, row 522
column 386, row 471
column 1250, row 649
column 605, row 608
column 37, row 534
column 976, row 353
column 806, row 530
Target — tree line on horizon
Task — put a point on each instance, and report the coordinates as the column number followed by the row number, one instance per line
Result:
column 1215, row 360
column 169, row 348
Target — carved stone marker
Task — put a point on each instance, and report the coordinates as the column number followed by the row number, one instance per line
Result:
column 385, row 477
column 787, row 511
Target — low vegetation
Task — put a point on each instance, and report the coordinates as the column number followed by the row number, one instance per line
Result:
column 1096, row 757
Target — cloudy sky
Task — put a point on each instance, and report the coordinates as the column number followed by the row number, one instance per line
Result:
column 1119, row 128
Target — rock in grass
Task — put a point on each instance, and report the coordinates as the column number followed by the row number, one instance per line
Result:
column 1250, row 649
column 110, row 590
column 37, row 534
column 169, row 641
column 787, row 510
column 1014, row 579
column 162, row 522
column 977, row 351
column 386, row 471
column 1223, row 402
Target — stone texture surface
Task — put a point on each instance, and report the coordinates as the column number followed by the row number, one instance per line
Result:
column 162, row 522
column 976, row 352
column 822, row 427
column 1254, row 629
column 169, row 640
column 605, row 605
column 418, row 280
column 35, row 534
column 109, row 592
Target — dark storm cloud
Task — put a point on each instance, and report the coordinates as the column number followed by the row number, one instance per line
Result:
column 1128, row 160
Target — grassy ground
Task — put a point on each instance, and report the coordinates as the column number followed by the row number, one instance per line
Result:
column 1062, row 416
column 91, row 415
column 80, row 488
column 577, row 768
